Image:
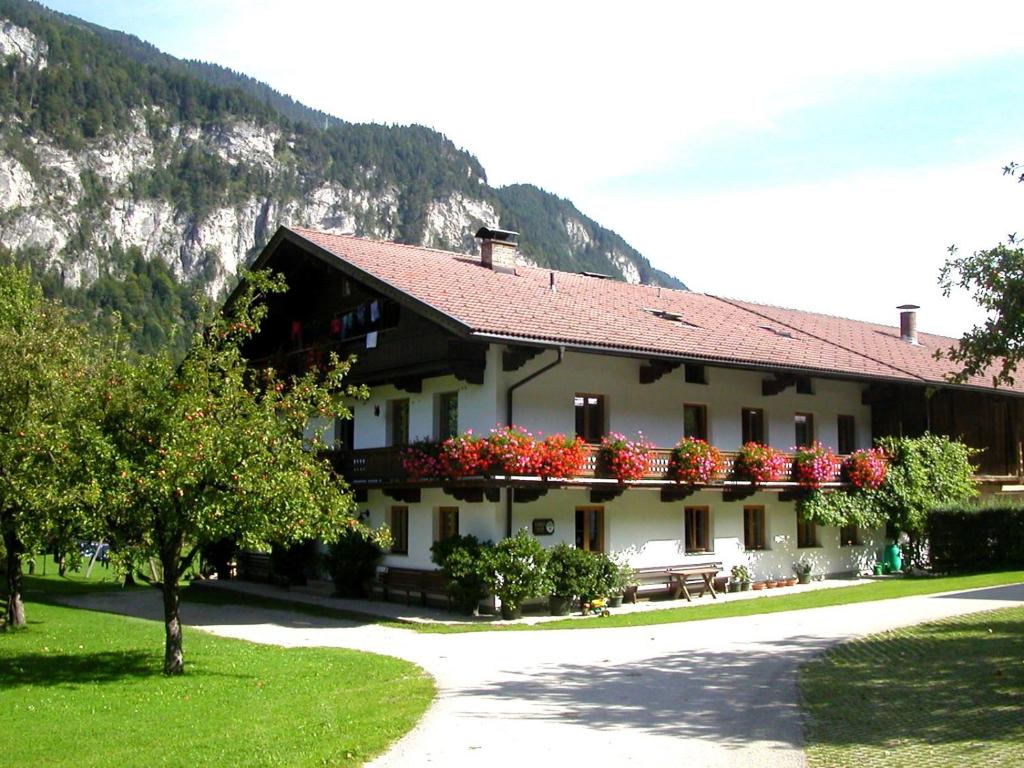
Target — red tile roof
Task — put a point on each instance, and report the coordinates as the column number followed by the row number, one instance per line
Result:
column 591, row 312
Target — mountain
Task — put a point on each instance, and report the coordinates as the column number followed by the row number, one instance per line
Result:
column 131, row 180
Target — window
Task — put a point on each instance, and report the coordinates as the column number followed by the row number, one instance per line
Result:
column 447, row 415
column 806, row 532
column 447, row 522
column 399, row 524
column 753, row 425
column 803, row 424
column 589, row 417
column 344, row 434
column 695, row 421
column 753, row 527
column 697, row 531
column 590, row 528
column 849, row 536
column 398, row 422
column 804, row 386
column 847, row 434
column 694, row 374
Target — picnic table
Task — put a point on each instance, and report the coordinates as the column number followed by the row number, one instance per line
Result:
column 677, row 579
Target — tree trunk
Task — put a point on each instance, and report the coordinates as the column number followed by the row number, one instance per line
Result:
column 174, row 660
column 14, row 616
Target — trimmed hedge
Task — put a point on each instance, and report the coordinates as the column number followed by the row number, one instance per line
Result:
column 973, row 539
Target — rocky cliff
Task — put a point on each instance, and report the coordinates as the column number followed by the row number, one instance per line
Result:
column 103, row 156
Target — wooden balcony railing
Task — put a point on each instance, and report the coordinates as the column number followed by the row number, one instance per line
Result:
column 372, row 466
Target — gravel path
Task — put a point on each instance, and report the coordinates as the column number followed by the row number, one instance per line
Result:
column 706, row 693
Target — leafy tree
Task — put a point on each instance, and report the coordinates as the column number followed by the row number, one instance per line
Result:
column 210, row 448
column 48, row 427
column 995, row 277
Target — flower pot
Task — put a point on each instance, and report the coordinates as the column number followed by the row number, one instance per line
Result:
column 559, row 605
column 803, row 578
column 744, row 586
column 769, row 585
column 734, row 586
column 615, row 601
column 510, row 612
column 791, row 582
column 780, row 582
column 759, row 585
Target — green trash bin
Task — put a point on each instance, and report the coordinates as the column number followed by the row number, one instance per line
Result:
column 891, row 559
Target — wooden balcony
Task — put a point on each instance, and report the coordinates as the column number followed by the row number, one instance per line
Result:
column 382, row 468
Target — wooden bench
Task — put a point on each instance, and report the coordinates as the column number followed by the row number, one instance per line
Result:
column 254, row 566
column 412, row 581
column 676, row 580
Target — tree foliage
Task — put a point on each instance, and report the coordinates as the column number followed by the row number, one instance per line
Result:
column 208, row 449
column 49, row 373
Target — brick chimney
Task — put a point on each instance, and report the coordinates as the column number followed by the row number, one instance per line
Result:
column 498, row 249
column 908, row 322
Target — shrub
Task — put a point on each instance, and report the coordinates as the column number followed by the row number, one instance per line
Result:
column 740, row 573
column 570, row 571
column 517, row 572
column 695, row 462
column 353, row 558
column 759, row 463
column 967, row 538
column 866, row 468
column 463, row 561
column 606, row 577
column 838, row 508
column 815, row 465
column 625, row 459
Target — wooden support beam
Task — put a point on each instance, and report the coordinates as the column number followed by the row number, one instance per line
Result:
column 601, row 495
column 464, row 493
column 655, row 369
column 678, row 493
column 778, row 383
column 794, row 494
column 404, row 495
column 412, row 384
column 514, row 358
column 527, row 495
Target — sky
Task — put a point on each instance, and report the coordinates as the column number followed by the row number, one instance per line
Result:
column 808, row 155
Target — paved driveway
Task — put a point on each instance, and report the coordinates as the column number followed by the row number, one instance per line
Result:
column 708, row 693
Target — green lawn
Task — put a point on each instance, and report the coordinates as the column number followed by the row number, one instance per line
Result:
column 708, row 609
column 80, row 688
column 948, row 693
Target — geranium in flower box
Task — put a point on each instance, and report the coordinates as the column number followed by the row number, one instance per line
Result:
column 694, row 462
column 624, row 459
column 866, row 468
column 759, row 463
column 512, row 451
column 814, row 465
column 465, row 455
column 421, row 460
column 560, row 456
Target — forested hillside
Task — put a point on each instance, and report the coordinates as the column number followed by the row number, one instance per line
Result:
column 130, row 179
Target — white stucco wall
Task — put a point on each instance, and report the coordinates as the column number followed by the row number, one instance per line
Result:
column 638, row 525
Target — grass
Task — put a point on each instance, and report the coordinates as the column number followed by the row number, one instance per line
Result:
column 80, row 688
column 878, row 590
column 944, row 694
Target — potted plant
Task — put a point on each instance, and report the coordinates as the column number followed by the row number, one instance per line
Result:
column 694, row 462
column 570, row 572
column 517, row 573
column 740, row 577
column 464, row 563
column 560, row 456
column 814, row 465
column 624, row 459
column 803, row 572
column 759, row 463
column 623, row 581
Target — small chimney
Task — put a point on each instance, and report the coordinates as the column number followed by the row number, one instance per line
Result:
column 908, row 322
column 498, row 249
